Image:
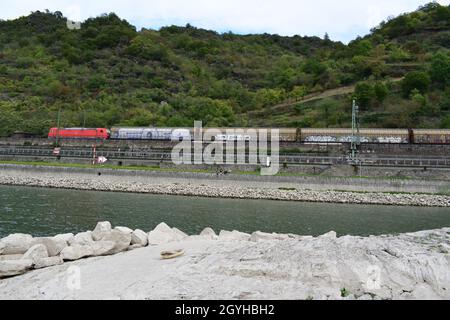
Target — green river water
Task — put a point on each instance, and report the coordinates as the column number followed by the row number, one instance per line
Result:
column 40, row 211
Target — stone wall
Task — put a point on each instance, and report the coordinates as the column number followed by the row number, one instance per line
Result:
column 298, row 182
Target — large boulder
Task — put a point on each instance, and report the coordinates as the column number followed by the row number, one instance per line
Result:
column 234, row 235
column 262, row 236
column 100, row 229
column 139, row 237
column 36, row 252
column 82, row 238
column 330, row 235
column 180, row 235
column 134, row 247
column 164, row 234
column 124, row 230
column 54, row 245
column 208, row 233
column 102, row 248
column 67, row 237
column 76, row 252
column 2, row 247
column 14, row 267
column 162, row 227
column 11, row 257
column 122, row 241
column 48, row 262
column 17, row 243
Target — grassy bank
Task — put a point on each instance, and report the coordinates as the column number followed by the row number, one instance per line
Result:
column 208, row 171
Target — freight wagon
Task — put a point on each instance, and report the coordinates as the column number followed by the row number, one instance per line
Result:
column 399, row 136
column 305, row 135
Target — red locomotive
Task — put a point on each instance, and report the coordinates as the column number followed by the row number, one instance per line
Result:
column 79, row 133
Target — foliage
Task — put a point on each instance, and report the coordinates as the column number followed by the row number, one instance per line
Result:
column 364, row 93
column 440, row 68
column 108, row 74
column 416, row 80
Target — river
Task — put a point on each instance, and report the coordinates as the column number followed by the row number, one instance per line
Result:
column 43, row 212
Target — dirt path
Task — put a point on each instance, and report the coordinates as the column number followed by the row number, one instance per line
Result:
column 311, row 97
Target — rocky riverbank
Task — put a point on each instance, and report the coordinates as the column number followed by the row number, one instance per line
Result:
column 120, row 263
column 212, row 188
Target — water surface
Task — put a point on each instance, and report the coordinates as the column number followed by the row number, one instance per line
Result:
column 41, row 211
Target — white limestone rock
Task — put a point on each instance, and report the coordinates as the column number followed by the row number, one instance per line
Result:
column 82, row 238
column 76, row 252
column 48, row 262
column 365, row 297
column 14, row 267
column 17, row 243
column 124, row 230
column 139, row 237
column 208, row 233
column 163, row 227
column 54, row 245
column 2, row 247
column 67, row 237
column 316, row 268
column 234, row 235
column 300, row 238
column 180, row 235
column 262, row 236
column 100, row 229
column 6, row 257
column 122, row 241
column 102, row 248
column 38, row 251
column 164, row 234
column 134, row 247
column 330, row 235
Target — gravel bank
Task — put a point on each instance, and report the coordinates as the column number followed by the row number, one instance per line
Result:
column 234, row 265
column 210, row 188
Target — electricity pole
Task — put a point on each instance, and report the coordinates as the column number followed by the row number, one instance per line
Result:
column 356, row 140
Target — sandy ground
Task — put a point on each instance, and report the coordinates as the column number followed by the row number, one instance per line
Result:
column 407, row 266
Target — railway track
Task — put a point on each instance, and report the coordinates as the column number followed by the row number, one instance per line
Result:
column 157, row 144
column 288, row 159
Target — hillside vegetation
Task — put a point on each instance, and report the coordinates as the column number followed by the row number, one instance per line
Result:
column 107, row 73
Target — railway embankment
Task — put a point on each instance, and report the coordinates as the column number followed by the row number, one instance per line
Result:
column 407, row 192
column 121, row 263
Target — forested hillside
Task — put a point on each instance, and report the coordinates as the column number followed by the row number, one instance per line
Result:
column 107, row 73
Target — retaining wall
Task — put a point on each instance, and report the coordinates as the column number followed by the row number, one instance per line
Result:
column 250, row 180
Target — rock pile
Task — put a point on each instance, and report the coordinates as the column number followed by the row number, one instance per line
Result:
column 237, row 191
column 20, row 253
column 228, row 265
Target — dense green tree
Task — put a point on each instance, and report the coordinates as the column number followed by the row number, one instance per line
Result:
column 314, row 67
column 446, row 123
column 440, row 68
column 146, row 46
column 416, row 80
column 381, row 91
column 361, row 47
column 364, row 93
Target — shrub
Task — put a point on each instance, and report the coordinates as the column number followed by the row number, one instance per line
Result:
column 440, row 68
column 416, row 80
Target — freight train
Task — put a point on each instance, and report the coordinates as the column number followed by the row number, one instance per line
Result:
column 304, row 135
